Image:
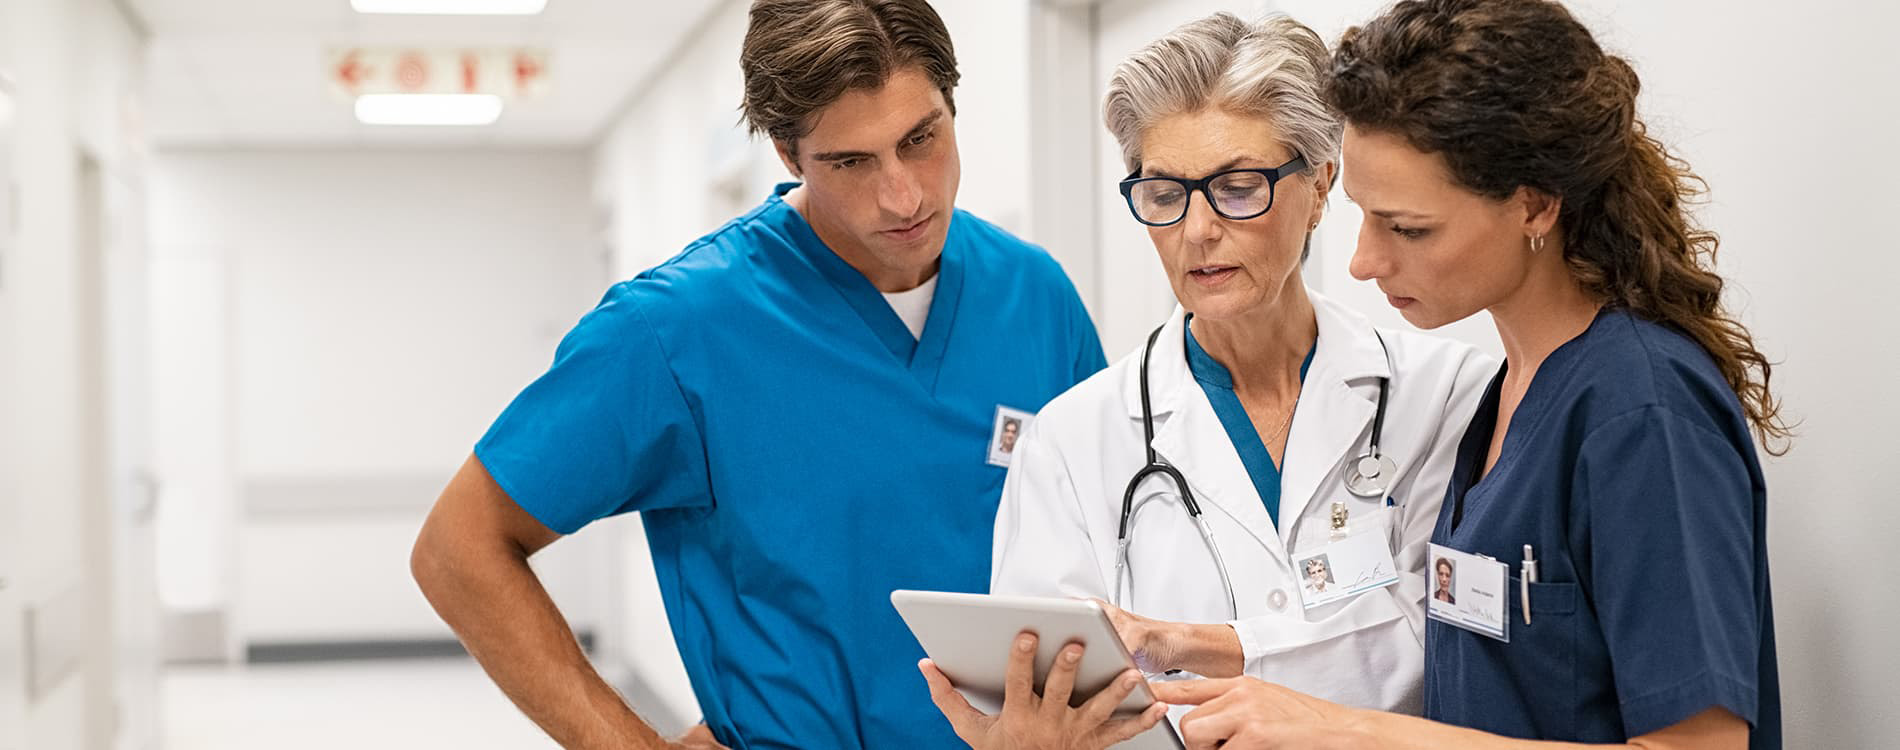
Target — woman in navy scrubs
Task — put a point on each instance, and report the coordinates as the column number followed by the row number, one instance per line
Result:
column 1498, row 157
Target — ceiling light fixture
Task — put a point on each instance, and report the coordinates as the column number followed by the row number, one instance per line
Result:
column 428, row 109
column 452, row 7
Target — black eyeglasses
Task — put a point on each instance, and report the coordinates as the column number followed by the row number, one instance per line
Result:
column 1235, row 194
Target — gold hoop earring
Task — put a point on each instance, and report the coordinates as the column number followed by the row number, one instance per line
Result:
column 1537, row 244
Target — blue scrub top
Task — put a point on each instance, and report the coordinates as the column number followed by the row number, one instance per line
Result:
column 1630, row 469
column 1218, row 384
column 796, row 454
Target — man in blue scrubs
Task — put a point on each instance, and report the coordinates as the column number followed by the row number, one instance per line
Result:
column 804, row 404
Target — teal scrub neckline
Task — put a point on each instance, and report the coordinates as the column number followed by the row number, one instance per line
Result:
column 922, row 355
column 1218, row 384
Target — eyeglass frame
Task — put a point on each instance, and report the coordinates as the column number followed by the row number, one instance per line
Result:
column 1204, row 187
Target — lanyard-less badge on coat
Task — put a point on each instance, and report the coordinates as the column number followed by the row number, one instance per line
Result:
column 1352, row 562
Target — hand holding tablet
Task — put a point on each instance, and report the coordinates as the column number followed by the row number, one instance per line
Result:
column 1026, row 672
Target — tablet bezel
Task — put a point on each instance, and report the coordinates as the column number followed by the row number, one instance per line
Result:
column 968, row 637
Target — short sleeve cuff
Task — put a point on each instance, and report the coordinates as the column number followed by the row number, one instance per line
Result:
column 1673, row 705
column 497, row 469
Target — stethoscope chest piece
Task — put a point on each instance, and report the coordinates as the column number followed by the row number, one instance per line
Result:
column 1370, row 475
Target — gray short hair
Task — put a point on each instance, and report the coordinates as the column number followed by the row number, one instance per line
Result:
column 1271, row 68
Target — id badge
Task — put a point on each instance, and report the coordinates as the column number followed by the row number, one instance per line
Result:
column 1005, row 430
column 1347, row 566
column 1468, row 591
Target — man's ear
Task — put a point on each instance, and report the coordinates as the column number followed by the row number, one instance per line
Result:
column 788, row 157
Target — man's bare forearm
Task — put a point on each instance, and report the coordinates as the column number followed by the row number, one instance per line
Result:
column 504, row 616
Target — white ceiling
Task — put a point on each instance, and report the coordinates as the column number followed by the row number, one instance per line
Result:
column 249, row 73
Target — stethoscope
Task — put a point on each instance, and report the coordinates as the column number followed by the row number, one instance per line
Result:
column 1369, row 475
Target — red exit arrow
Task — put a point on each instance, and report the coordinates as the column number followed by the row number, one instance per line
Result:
column 526, row 69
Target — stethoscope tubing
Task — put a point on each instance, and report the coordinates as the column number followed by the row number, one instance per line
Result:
column 1124, row 579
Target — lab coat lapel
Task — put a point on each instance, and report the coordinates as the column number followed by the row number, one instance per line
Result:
column 1189, row 435
column 1335, row 410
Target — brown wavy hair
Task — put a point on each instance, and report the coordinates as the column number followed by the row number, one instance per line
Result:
column 1517, row 93
column 800, row 56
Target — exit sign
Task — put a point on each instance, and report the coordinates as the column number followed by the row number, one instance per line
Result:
column 510, row 73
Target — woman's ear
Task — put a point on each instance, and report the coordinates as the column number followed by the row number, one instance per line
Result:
column 1323, row 179
column 1540, row 210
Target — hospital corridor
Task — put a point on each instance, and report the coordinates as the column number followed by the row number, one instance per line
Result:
column 519, row 374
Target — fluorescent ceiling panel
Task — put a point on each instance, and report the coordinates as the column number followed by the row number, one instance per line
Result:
column 428, row 109
column 452, row 7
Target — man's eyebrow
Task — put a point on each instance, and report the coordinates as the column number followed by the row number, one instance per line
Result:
column 841, row 155
column 922, row 125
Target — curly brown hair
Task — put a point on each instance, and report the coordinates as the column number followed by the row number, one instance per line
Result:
column 1517, row 93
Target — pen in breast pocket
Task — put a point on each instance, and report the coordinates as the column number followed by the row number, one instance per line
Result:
column 1525, row 578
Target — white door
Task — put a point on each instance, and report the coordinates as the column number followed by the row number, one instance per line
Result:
column 96, row 659
column 119, row 665
column 131, row 481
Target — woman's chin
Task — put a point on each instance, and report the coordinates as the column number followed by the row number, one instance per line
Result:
column 1420, row 317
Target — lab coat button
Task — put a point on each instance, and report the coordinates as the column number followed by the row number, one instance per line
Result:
column 1277, row 600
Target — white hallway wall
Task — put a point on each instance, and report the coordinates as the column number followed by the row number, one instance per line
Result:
column 369, row 313
column 73, row 67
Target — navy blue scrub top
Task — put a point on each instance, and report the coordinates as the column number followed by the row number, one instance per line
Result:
column 1218, row 384
column 1630, row 469
column 796, row 454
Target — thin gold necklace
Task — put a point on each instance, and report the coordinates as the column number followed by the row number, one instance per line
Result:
column 1267, row 438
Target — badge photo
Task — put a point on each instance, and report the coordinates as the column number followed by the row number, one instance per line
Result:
column 1005, row 430
column 1468, row 591
column 1346, row 567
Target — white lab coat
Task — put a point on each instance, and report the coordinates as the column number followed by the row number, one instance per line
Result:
column 1056, row 526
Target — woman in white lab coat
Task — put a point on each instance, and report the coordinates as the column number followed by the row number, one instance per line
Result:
column 1233, row 153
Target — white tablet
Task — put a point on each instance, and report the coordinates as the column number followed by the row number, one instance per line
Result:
column 968, row 636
